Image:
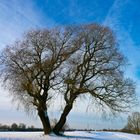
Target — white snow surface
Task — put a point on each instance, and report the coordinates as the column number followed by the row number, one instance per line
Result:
column 74, row 135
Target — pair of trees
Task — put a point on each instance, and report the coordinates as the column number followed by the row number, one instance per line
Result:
column 71, row 61
column 21, row 126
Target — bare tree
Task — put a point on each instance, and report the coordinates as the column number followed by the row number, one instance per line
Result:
column 32, row 68
column 133, row 123
column 14, row 126
column 96, row 70
column 22, row 126
column 73, row 61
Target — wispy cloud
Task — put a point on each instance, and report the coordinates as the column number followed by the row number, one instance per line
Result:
column 114, row 19
column 18, row 16
column 117, row 20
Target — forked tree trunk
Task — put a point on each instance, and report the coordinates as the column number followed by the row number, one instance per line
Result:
column 45, row 121
column 58, row 127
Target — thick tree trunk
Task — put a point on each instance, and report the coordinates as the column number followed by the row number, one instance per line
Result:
column 45, row 121
column 58, row 127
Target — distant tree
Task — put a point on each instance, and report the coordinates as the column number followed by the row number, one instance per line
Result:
column 133, row 123
column 32, row 127
column 96, row 71
column 22, row 126
column 14, row 126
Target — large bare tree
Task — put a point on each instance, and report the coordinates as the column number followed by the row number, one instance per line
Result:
column 32, row 68
column 96, row 70
column 72, row 61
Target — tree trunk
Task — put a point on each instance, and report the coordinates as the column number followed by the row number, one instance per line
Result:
column 58, row 127
column 45, row 121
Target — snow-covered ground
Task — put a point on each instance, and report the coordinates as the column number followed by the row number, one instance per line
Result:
column 76, row 135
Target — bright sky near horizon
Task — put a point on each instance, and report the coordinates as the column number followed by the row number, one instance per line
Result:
column 123, row 16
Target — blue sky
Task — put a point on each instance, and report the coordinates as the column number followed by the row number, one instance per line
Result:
column 123, row 16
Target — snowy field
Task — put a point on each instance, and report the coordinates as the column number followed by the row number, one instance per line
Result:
column 76, row 135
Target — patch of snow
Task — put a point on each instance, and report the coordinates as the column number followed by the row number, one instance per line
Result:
column 73, row 135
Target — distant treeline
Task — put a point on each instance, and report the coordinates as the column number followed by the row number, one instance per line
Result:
column 18, row 127
column 24, row 127
column 109, row 130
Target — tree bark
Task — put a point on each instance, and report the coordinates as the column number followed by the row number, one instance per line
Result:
column 58, row 127
column 45, row 121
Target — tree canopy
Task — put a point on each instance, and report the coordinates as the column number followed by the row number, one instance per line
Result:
column 71, row 61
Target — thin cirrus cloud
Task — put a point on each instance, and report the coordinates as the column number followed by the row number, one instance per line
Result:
column 120, row 19
column 18, row 16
